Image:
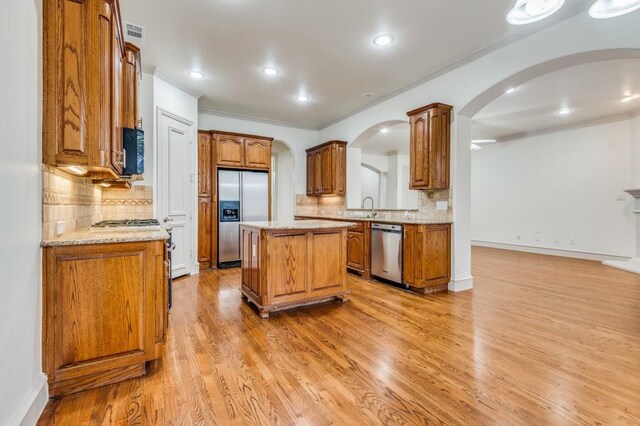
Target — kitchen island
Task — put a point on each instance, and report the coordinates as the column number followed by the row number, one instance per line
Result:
column 295, row 263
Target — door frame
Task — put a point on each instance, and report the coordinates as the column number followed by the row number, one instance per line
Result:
column 193, row 265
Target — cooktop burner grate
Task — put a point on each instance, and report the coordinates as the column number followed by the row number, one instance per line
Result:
column 126, row 223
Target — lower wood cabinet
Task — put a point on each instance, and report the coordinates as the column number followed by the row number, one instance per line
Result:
column 284, row 268
column 427, row 257
column 105, row 312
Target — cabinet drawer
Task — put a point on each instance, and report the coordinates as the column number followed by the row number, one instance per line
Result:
column 358, row 228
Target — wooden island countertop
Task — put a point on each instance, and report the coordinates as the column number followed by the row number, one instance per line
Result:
column 293, row 263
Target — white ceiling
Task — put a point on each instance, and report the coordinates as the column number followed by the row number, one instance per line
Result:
column 592, row 92
column 322, row 47
column 396, row 139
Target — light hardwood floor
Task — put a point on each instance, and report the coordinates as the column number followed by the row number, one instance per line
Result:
column 539, row 340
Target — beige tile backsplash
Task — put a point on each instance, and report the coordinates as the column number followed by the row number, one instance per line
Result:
column 77, row 203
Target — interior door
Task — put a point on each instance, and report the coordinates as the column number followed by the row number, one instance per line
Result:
column 174, row 187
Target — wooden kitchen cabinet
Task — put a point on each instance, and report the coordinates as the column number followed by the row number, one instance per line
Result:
column 430, row 146
column 355, row 250
column 207, row 237
column 104, row 313
column 85, row 86
column 241, row 151
column 427, row 257
column 327, row 169
column 130, row 86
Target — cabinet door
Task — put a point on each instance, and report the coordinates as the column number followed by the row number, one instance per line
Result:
column 326, row 252
column 317, row 172
column 130, row 87
column 437, row 259
column 439, row 144
column 355, row 250
column 204, row 232
column 327, row 170
column 310, row 173
column 205, row 164
column 419, row 155
column 117, row 143
column 340, row 170
column 257, row 153
column 230, row 151
column 408, row 255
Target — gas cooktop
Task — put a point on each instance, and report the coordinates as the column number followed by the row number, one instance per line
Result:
column 126, row 224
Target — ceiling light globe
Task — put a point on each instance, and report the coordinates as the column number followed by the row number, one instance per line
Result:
column 383, row 40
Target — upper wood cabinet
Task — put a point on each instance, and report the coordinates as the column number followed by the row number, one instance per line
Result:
column 327, row 169
column 84, row 85
column 427, row 257
column 130, row 86
column 243, row 151
column 430, row 146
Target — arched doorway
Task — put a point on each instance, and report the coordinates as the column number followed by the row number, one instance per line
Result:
column 283, row 201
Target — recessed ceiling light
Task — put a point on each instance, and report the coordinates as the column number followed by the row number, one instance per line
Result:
column 511, row 90
column 603, row 9
column 630, row 98
column 196, row 74
column 383, row 40
column 368, row 94
column 303, row 98
column 384, row 130
column 564, row 111
column 270, row 71
column 529, row 11
column 475, row 147
column 476, row 141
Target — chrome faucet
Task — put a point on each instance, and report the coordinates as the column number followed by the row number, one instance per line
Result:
column 373, row 212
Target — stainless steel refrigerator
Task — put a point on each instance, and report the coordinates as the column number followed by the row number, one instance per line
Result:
column 243, row 197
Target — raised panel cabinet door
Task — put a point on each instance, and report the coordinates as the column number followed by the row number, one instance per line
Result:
column 310, row 173
column 327, row 169
column 326, row 253
column 408, row 255
column 205, row 164
column 257, row 153
column 419, row 154
column 117, row 142
column 287, row 263
column 230, row 151
column 437, row 254
column 317, row 172
column 340, row 170
column 204, row 232
column 355, row 250
column 130, row 84
column 439, row 145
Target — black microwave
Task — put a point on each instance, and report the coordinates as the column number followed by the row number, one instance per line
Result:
column 133, row 151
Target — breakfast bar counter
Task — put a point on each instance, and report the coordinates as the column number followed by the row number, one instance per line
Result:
column 295, row 263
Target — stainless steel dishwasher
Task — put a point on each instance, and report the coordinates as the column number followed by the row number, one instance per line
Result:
column 386, row 252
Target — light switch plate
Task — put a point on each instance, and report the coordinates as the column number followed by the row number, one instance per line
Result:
column 59, row 228
column 442, row 205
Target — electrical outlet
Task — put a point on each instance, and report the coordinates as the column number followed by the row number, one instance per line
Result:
column 536, row 237
column 59, row 228
column 572, row 241
column 518, row 237
column 442, row 205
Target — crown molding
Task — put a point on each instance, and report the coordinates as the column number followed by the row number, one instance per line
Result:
column 211, row 111
column 531, row 30
column 572, row 126
column 157, row 72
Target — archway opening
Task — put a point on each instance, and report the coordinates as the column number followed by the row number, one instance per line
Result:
column 283, row 199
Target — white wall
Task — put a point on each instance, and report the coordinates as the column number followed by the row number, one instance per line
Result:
column 23, row 390
column 557, row 191
column 297, row 139
column 283, row 185
column 370, row 186
column 634, row 158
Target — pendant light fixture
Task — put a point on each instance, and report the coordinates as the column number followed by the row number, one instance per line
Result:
column 529, row 11
column 603, row 9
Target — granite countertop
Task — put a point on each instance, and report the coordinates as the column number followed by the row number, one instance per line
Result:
column 85, row 236
column 379, row 220
column 299, row 224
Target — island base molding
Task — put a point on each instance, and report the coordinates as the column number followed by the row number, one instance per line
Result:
column 264, row 311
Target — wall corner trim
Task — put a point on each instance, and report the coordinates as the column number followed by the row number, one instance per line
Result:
column 461, row 284
column 33, row 406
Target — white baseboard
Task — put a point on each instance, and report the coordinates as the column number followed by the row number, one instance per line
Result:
column 548, row 251
column 631, row 265
column 461, row 284
column 34, row 404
